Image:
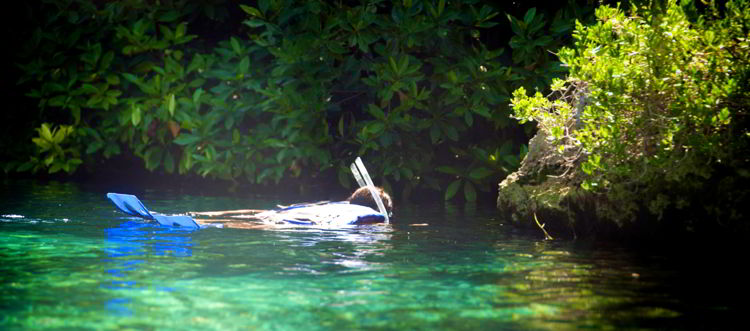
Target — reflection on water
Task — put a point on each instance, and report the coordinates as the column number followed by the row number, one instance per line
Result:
column 127, row 244
column 69, row 261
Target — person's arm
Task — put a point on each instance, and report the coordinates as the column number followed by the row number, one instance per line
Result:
column 226, row 212
column 235, row 223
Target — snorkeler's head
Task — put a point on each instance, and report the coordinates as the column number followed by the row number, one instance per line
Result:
column 363, row 197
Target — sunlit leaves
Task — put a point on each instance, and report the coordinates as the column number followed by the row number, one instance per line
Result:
column 657, row 94
column 55, row 153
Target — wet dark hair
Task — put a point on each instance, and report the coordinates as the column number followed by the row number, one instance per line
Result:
column 363, row 197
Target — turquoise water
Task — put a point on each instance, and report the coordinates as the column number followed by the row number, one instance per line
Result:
column 68, row 260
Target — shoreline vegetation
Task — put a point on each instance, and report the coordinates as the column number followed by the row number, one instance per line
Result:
column 647, row 137
column 270, row 92
column 598, row 120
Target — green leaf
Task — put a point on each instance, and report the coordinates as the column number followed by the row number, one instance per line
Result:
column 470, row 193
column 451, row 132
column 252, row 11
column 186, row 139
column 244, row 65
column 42, row 143
column 376, row 111
column 482, row 111
column 236, row 136
column 76, row 112
column 171, row 104
column 59, row 135
column 393, row 64
column 486, row 25
column 452, row 189
column 514, row 25
column 529, row 17
column 166, row 32
column 255, row 23
column 45, row 132
column 724, row 116
column 480, row 173
column 512, row 160
column 106, row 60
column 448, row 170
column 587, row 168
column 375, row 128
column 153, row 157
column 135, row 115
column 432, row 9
column 197, row 96
column 94, row 146
column 403, row 64
column 336, row 47
column 72, row 164
column 229, row 122
column 170, row 16
column 196, row 63
column 88, row 89
column 131, row 78
column 181, row 30
column 55, row 168
column 26, row 166
column 160, row 71
column 263, row 5
column 468, row 119
column 113, row 80
column 236, row 45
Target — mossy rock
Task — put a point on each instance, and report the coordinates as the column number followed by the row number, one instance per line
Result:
column 541, row 187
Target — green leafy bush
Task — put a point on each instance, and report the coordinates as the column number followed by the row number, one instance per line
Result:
column 53, row 152
column 653, row 102
column 294, row 91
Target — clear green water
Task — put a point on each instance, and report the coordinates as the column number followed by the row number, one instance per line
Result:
column 69, row 261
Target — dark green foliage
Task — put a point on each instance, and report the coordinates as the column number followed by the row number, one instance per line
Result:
column 298, row 89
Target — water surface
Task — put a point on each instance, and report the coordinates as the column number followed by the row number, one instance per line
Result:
column 69, row 260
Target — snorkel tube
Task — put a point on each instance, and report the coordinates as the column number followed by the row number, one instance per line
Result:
column 363, row 179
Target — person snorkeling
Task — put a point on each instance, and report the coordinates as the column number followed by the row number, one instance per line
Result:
column 368, row 204
column 360, row 207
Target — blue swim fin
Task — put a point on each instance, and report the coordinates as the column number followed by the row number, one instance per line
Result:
column 129, row 204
